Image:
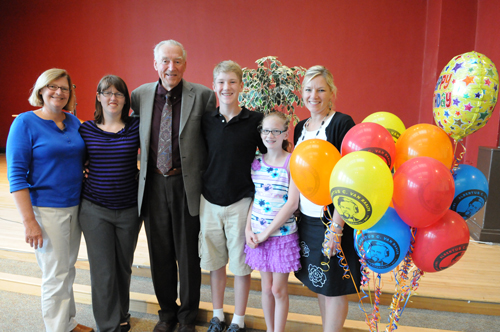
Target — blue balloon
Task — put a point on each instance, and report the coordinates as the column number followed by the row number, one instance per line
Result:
column 471, row 191
column 386, row 243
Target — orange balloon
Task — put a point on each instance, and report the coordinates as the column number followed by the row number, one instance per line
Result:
column 311, row 166
column 424, row 140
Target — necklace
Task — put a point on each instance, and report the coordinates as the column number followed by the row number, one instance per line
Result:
column 304, row 129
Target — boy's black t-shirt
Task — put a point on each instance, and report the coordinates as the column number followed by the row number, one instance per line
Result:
column 231, row 151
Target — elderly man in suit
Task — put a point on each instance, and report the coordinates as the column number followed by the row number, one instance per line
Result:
column 172, row 159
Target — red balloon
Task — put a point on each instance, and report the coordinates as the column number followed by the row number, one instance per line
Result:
column 371, row 137
column 423, row 191
column 442, row 244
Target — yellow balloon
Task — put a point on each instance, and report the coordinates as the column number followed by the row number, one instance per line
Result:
column 361, row 188
column 465, row 94
column 389, row 121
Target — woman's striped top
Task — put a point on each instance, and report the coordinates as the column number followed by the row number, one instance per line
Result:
column 112, row 166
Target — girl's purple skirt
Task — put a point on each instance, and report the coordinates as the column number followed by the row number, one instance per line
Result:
column 277, row 254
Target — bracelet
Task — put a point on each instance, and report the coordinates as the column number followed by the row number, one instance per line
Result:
column 337, row 225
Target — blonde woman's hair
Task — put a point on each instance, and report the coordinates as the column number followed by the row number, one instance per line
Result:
column 315, row 71
column 46, row 78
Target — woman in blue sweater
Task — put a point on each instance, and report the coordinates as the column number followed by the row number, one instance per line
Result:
column 45, row 156
column 108, row 213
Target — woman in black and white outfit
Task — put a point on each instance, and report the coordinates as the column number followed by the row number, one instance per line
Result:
column 319, row 94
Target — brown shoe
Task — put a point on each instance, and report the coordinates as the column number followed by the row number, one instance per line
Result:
column 82, row 328
column 187, row 328
column 162, row 326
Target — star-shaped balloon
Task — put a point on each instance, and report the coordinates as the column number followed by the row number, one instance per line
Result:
column 466, row 87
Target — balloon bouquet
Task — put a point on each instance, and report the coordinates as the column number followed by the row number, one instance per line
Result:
column 412, row 221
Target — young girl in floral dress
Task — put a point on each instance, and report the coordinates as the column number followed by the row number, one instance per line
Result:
column 271, row 232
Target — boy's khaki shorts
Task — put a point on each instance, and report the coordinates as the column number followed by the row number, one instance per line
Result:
column 222, row 236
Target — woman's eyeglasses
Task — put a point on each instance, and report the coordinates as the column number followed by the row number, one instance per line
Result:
column 108, row 94
column 54, row 87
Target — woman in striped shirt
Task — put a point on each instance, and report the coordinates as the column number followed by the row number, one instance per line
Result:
column 108, row 211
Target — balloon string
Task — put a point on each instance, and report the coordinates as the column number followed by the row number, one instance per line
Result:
column 372, row 318
column 331, row 235
column 376, row 311
column 328, row 237
column 403, row 291
column 342, row 260
column 455, row 159
column 458, row 159
column 365, row 279
column 463, row 152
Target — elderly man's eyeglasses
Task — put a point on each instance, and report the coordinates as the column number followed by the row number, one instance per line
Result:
column 275, row 132
column 54, row 87
column 108, row 94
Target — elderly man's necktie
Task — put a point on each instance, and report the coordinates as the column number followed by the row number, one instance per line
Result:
column 164, row 161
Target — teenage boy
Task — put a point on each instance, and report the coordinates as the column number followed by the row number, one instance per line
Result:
column 232, row 137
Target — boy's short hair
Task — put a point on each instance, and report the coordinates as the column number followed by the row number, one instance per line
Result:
column 228, row 66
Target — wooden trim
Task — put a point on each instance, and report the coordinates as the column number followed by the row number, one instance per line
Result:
column 418, row 301
column 146, row 303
